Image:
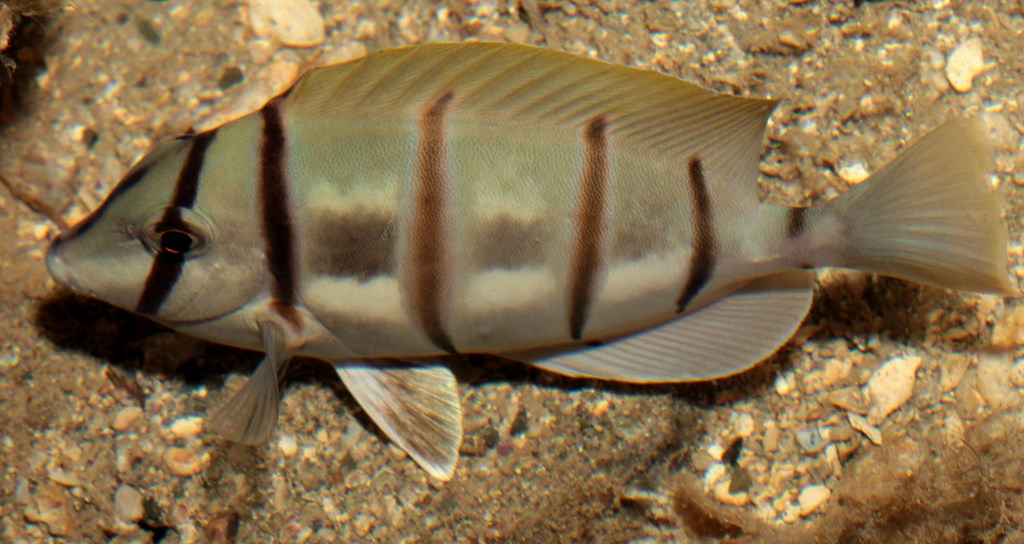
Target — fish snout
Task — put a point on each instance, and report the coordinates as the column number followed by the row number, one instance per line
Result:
column 58, row 266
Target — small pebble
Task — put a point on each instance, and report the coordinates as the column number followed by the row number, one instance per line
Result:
column 517, row 32
column 715, row 473
column 222, row 528
column 853, row 172
column 811, row 497
column 744, row 425
column 52, row 506
column 964, row 63
column 834, row 463
column 700, row 461
column 185, row 461
column 811, row 440
column 721, row 493
column 890, row 386
column 65, row 478
column 791, row 513
column 291, row 22
column 771, row 437
column 186, row 427
column 861, row 424
column 125, row 417
column 952, row 367
column 1008, row 332
column 850, row 399
column 783, row 386
column 128, row 506
column 288, row 445
column 994, row 379
column 792, row 39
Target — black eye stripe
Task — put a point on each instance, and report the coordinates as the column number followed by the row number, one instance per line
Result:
column 167, row 266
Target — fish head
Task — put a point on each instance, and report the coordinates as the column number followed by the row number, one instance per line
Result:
column 157, row 247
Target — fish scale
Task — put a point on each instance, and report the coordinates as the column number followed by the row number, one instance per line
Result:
column 420, row 204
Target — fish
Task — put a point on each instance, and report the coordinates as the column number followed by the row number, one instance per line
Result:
column 397, row 213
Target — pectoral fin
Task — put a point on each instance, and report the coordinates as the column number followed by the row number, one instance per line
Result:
column 251, row 414
column 721, row 339
column 416, row 406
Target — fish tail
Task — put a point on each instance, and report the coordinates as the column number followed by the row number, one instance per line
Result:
column 930, row 216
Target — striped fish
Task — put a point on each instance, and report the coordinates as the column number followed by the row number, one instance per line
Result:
column 420, row 204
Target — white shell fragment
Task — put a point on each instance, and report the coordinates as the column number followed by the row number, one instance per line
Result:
column 862, row 425
column 186, row 427
column 288, row 445
column 965, row 62
column 853, row 172
column 291, row 22
column 185, row 461
column 811, row 497
column 890, row 386
column 994, row 379
column 783, row 384
column 125, row 417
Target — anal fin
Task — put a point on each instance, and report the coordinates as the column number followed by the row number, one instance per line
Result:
column 418, row 407
column 718, row 340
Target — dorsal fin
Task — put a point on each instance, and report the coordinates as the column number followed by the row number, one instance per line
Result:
column 531, row 86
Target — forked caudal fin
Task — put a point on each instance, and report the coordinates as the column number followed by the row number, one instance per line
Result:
column 929, row 216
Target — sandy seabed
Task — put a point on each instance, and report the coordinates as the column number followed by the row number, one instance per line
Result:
column 100, row 432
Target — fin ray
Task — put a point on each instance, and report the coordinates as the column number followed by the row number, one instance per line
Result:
column 418, row 407
column 663, row 114
column 251, row 415
column 718, row 340
column 929, row 216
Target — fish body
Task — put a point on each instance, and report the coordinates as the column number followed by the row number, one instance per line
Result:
column 441, row 200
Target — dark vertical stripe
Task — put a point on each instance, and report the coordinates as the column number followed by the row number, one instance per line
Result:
column 167, row 267
column 797, row 220
column 591, row 217
column 429, row 261
column 276, row 223
column 705, row 246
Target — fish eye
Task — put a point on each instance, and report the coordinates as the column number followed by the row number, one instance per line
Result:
column 177, row 241
column 178, row 232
